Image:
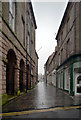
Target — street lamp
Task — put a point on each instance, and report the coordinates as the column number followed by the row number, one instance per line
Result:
column 39, row 49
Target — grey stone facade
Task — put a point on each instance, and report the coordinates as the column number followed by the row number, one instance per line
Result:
column 68, row 70
column 18, row 67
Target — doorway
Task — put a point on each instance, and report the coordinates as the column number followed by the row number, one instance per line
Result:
column 10, row 72
column 78, row 84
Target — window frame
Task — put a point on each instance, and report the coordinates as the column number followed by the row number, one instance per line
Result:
column 12, row 14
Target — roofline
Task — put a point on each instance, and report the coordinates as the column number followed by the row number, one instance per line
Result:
column 30, row 3
column 36, row 54
column 62, row 21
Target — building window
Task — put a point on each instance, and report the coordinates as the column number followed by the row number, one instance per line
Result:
column 79, row 80
column 28, row 42
column 61, row 80
column 59, row 59
column 28, row 21
column 12, row 14
column 68, row 48
column 61, row 37
column 27, row 16
column 32, row 32
column 23, row 30
column 31, row 49
column 67, row 25
column 62, row 55
column 67, row 79
column 31, row 39
column 58, row 80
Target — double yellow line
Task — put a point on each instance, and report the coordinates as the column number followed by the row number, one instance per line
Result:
column 38, row 111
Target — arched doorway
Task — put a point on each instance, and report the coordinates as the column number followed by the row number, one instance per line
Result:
column 10, row 72
column 21, row 76
column 78, row 84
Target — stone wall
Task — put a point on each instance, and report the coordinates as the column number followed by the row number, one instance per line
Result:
column 9, row 41
column 16, row 42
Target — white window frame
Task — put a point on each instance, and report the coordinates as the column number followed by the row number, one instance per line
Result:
column 76, row 84
column 67, row 79
column 12, row 14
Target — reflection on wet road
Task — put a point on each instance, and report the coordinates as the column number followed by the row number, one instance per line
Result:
column 41, row 96
column 50, row 97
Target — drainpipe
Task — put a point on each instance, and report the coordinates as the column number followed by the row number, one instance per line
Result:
column 30, row 53
column 26, row 74
column 26, row 53
column 75, row 27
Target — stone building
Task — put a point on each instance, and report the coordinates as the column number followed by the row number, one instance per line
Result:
column 69, row 51
column 36, row 66
column 50, row 69
column 17, row 47
column 68, row 70
column 32, row 58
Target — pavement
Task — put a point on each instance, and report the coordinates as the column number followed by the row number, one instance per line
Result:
column 47, row 100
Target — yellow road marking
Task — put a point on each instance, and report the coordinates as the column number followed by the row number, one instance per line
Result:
column 37, row 111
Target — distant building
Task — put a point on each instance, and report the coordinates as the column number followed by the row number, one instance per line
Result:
column 50, row 69
column 18, row 57
column 40, row 77
column 68, row 70
column 36, row 66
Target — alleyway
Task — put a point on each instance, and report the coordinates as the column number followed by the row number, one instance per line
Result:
column 40, row 97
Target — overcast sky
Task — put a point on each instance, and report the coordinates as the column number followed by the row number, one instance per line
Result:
column 48, row 17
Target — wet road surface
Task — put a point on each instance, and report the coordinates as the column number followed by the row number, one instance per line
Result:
column 40, row 97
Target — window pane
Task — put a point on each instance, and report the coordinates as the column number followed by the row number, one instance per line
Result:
column 78, row 89
column 28, row 44
column 11, row 14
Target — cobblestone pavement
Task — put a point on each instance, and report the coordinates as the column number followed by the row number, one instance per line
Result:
column 41, row 97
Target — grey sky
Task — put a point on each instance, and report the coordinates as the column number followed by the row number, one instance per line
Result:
column 48, row 18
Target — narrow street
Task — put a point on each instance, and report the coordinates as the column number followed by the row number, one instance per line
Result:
column 34, row 83
column 43, row 98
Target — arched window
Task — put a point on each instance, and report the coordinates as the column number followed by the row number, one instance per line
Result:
column 79, row 80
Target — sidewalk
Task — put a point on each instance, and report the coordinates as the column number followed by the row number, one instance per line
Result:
column 76, row 99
